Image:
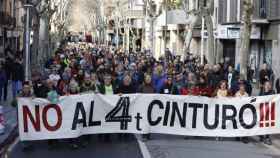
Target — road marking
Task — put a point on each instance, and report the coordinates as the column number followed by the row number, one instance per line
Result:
column 143, row 147
column 11, row 147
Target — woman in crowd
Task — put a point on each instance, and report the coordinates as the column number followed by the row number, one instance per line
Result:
column 267, row 90
column 223, row 90
column 242, row 93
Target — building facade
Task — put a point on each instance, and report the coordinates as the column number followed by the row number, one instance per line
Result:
column 264, row 46
column 9, row 36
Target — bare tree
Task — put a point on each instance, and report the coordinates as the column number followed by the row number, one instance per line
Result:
column 40, row 9
column 245, row 35
column 205, row 9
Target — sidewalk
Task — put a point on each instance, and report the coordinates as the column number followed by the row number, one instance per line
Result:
column 10, row 118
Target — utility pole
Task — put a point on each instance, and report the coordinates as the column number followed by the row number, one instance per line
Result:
column 202, row 42
column 165, row 27
column 27, row 42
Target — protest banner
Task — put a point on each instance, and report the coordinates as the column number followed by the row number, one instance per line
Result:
column 78, row 115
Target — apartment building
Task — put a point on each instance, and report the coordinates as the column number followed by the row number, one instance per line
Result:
column 264, row 45
column 7, row 24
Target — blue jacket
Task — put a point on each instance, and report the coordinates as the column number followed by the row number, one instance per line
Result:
column 158, row 82
column 3, row 78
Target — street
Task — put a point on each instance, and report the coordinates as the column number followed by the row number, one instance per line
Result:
column 161, row 146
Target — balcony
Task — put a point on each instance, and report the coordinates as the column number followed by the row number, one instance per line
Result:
column 7, row 20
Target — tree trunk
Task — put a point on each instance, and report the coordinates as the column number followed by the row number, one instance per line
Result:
column 34, row 51
column 210, row 56
column 188, row 38
column 245, row 36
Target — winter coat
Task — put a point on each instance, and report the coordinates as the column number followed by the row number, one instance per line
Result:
column 17, row 72
column 3, row 78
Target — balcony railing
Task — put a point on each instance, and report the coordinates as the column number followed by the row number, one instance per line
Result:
column 7, row 20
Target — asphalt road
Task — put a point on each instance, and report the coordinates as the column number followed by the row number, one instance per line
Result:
column 96, row 149
column 161, row 146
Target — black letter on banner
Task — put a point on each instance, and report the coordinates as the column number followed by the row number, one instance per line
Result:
column 195, row 106
column 26, row 113
column 166, row 114
column 124, row 118
column 241, row 116
column 76, row 120
column 205, row 119
column 176, row 111
column 150, row 108
column 91, row 122
column 229, row 117
column 138, row 118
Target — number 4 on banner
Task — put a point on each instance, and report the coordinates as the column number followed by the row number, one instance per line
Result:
column 124, row 118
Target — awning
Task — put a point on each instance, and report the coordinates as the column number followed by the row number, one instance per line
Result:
column 173, row 17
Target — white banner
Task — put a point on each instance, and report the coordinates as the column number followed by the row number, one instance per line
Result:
column 83, row 114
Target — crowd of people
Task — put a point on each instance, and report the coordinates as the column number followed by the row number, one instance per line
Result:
column 81, row 68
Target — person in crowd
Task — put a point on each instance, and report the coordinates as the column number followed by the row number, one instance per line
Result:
column 8, row 69
column 126, row 87
column 203, row 88
column 17, row 76
column 265, row 74
column 107, row 87
column 169, row 87
column 158, row 78
column 180, row 81
column 241, row 80
column 216, row 76
column 3, row 81
column 63, row 84
column 147, row 88
column 54, row 76
column 40, row 87
column 222, row 90
column 267, row 90
column 74, row 87
column 242, row 93
column 231, row 77
column 87, row 85
column 277, row 86
column 26, row 92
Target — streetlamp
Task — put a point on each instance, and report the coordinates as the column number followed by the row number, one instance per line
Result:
column 27, row 41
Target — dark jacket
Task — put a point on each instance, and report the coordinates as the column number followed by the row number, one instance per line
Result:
column 126, row 89
column 271, row 92
column 147, row 88
column 17, row 72
column 277, row 85
column 3, row 78
column 102, row 90
column 234, row 78
column 169, row 89
column 264, row 73
column 40, row 90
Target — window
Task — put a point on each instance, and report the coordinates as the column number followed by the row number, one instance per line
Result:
column 262, row 9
